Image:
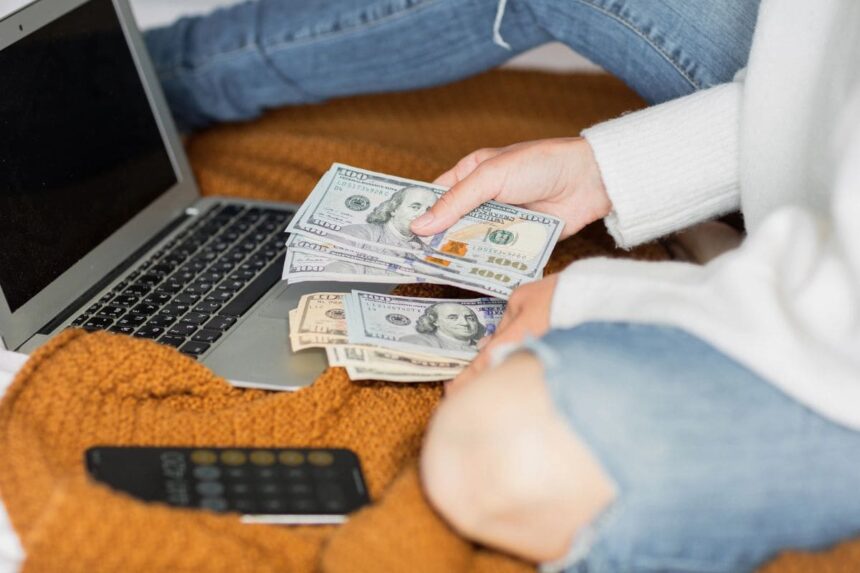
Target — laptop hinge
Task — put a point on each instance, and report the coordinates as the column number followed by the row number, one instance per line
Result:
column 64, row 315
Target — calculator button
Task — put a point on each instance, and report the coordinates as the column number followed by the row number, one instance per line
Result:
column 204, row 457
column 210, row 488
column 233, row 457
column 326, row 473
column 207, row 472
column 299, row 489
column 240, row 488
column 266, row 473
column 303, row 505
column 295, row 473
column 245, row 505
column 214, row 503
column 237, row 473
column 270, row 489
column 331, row 496
column 274, row 504
column 262, row 457
column 289, row 458
column 321, row 458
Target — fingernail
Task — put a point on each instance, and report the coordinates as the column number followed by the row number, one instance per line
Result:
column 423, row 220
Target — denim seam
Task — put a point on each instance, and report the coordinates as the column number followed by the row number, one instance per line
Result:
column 257, row 46
column 276, row 47
column 632, row 27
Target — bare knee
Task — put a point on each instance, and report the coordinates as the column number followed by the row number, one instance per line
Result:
column 504, row 469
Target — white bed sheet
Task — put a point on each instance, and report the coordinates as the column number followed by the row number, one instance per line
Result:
column 11, row 553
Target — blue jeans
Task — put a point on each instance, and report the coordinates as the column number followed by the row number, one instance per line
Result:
column 716, row 469
column 237, row 62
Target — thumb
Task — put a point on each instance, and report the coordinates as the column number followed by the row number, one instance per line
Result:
column 482, row 185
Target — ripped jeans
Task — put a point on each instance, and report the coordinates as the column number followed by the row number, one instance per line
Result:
column 237, row 62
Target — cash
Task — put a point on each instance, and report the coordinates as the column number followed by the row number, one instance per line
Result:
column 319, row 322
column 440, row 327
column 355, row 225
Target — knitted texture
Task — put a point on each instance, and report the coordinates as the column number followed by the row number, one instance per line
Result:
column 82, row 390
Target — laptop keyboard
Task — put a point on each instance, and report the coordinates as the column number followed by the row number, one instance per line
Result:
column 198, row 285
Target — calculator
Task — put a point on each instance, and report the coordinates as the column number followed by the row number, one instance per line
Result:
column 288, row 486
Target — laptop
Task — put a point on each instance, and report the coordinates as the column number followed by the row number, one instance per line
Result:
column 102, row 226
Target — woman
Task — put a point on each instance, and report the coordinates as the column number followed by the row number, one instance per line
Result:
column 675, row 417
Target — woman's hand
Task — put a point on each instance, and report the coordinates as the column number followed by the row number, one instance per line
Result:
column 527, row 315
column 559, row 177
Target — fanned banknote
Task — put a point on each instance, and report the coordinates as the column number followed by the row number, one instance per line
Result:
column 441, row 327
column 311, row 259
column 371, row 213
column 318, row 322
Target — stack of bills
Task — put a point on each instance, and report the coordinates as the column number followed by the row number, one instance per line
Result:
column 355, row 227
column 394, row 338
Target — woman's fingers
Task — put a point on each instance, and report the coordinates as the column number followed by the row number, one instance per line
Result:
column 484, row 184
column 467, row 165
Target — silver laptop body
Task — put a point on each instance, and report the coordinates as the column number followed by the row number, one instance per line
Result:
column 96, row 228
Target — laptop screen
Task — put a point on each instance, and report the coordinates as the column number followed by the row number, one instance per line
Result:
column 80, row 150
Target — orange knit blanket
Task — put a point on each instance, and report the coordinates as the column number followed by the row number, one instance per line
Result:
column 82, row 390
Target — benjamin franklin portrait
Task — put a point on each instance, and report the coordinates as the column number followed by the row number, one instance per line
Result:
column 389, row 223
column 448, row 325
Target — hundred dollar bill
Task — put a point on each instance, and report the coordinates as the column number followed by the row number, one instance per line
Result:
column 362, row 373
column 318, row 321
column 354, row 207
column 309, row 259
column 392, row 360
column 303, row 267
column 442, row 327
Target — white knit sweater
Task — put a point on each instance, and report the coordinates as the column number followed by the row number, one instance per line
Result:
column 783, row 143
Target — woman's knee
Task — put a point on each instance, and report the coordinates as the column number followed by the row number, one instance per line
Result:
column 504, row 469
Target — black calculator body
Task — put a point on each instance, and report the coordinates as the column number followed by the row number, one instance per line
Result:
column 293, row 486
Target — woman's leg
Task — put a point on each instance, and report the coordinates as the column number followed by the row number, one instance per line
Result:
column 236, row 62
column 700, row 464
column 663, row 49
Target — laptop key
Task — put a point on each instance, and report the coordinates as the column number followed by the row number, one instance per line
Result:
column 200, row 287
column 137, row 289
column 189, row 298
column 207, row 336
column 150, row 331
column 132, row 320
column 149, row 279
column 162, row 320
column 125, row 300
column 98, row 323
column 175, row 309
column 145, row 309
column 254, row 291
column 196, row 317
column 221, row 323
column 170, row 287
column 157, row 298
column 170, row 340
column 208, row 307
column 80, row 320
column 122, row 329
column 183, row 329
column 194, row 348
column 110, row 311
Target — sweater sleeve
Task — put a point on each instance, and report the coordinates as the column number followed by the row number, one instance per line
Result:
column 670, row 166
column 792, row 289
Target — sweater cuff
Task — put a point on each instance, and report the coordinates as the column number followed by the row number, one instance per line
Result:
column 670, row 166
column 618, row 290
